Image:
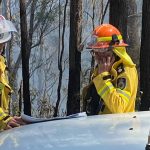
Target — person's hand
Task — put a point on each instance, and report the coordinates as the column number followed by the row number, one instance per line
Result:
column 11, row 124
column 105, row 64
column 15, row 122
column 19, row 120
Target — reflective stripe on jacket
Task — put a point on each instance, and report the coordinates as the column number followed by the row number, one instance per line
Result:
column 118, row 88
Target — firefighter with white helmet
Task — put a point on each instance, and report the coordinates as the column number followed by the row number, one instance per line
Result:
column 6, row 121
column 115, row 78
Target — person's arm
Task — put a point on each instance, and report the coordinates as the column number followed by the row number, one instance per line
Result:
column 4, row 119
column 8, row 122
column 115, row 98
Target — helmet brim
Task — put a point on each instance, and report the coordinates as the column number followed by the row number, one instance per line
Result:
column 106, row 46
column 7, row 26
column 5, row 37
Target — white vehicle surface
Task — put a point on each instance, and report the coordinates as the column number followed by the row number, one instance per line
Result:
column 102, row 132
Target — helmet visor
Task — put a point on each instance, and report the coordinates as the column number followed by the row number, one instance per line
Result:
column 95, row 44
column 4, row 37
column 92, row 41
column 7, row 26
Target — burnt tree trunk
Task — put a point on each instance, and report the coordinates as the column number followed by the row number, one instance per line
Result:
column 25, row 57
column 118, row 15
column 145, row 57
column 73, row 103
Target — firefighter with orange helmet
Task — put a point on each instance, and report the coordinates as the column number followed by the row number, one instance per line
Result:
column 115, row 78
column 6, row 121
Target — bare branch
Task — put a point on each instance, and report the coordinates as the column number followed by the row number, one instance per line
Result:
column 105, row 11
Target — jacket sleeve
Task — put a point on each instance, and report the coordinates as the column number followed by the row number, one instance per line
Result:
column 4, row 119
column 116, row 99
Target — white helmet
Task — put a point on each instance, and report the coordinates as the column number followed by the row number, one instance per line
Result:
column 6, row 27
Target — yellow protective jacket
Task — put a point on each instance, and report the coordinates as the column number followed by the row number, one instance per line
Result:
column 118, row 87
column 5, row 91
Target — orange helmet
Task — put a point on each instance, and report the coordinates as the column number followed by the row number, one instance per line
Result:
column 105, row 36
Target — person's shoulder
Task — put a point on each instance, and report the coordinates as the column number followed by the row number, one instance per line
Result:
column 120, row 68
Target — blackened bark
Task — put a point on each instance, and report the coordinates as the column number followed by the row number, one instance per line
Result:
column 145, row 57
column 118, row 16
column 73, row 103
column 25, row 57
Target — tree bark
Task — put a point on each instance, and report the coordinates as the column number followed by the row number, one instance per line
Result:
column 118, row 16
column 73, row 103
column 145, row 57
column 134, row 38
column 0, row 6
column 25, row 57
column 133, row 31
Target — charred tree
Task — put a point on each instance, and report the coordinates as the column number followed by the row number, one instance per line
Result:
column 25, row 57
column 73, row 102
column 118, row 15
column 145, row 57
